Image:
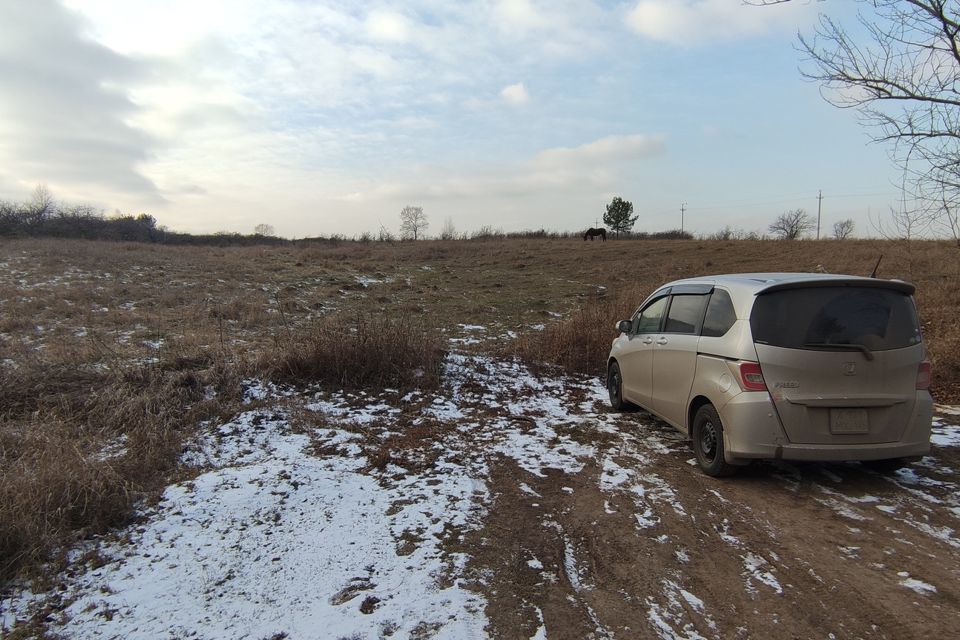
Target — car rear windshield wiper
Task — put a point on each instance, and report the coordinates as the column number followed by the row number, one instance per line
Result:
column 842, row 346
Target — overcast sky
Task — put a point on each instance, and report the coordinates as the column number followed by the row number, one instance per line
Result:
column 323, row 117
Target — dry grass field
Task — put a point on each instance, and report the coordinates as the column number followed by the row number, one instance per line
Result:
column 115, row 359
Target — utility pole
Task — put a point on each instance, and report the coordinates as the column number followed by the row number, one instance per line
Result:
column 683, row 207
column 819, row 203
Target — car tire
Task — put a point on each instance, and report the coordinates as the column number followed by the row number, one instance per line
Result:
column 615, row 388
column 886, row 466
column 707, row 435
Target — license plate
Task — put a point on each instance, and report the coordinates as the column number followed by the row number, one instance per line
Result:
column 848, row 421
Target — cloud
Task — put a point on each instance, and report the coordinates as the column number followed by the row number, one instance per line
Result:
column 697, row 22
column 515, row 94
column 388, row 26
column 519, row 15
column 608, row 150
column 64, row 118
column 592, row 167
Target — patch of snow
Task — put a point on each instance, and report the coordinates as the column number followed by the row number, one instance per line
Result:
column 541, row 633
column 692, row 600
column 945, row 435
column 723, row 530
column 646, row 520
column 613, row 475
column 366, row 281
column 842, row 509
column 541, row 448
column 526, row 489
column 755, row 569
column 918, row 585
column 113, row 449
column 570, row 565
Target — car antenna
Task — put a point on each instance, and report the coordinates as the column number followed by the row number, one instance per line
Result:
column 873, row 274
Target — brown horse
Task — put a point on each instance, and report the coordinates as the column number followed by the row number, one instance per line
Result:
column 591, row 232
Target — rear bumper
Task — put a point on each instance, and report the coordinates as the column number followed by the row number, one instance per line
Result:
column 752, row 430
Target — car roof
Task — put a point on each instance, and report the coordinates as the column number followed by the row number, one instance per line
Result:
column 743, row 287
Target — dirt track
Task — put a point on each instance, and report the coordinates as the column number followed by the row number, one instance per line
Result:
column 779, row 551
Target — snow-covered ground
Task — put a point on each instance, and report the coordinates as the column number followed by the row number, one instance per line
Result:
column 336, row 515
column 289, row 530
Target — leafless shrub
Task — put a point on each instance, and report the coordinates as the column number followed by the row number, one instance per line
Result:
column 449, row 231
column 487, row 232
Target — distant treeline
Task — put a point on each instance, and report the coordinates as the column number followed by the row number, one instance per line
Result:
column 44, row 217
column 41, row 218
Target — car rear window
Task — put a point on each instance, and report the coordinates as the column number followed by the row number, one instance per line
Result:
column 817, row 317
column 720, row 315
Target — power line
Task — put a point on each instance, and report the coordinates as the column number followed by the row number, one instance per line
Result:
column 757, row 203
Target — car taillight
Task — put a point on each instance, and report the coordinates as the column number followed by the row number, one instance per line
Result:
column 751, row 377
column 923, row 376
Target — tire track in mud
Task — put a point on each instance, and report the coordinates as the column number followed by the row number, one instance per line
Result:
column 640, row 544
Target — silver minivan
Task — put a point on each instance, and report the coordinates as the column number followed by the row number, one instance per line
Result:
column 793, row 366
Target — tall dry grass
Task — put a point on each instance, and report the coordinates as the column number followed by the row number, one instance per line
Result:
column 365, row 350
column 81, row 446
column 581, row 341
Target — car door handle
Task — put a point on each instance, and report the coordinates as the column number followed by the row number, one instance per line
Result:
column 648, row 341
column 661, row 340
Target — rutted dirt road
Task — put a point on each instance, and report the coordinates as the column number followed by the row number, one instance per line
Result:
column 649, row 547
column 639, row 543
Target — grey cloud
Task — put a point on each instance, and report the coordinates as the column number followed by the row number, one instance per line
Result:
column 63, row 105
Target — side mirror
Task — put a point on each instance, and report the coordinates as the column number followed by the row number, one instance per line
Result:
column 625, row 326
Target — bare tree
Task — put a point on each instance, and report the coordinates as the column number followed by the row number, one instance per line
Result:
column 900, row 69
column 843, row 229
column 905, row 223
column 264, row 229
column 40, row 206
column 792, row 224
column 413, row 222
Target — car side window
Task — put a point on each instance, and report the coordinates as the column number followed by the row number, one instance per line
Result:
column 685, row 314
column 720, row 315
column 649, row 319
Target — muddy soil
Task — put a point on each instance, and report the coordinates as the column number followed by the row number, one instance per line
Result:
column 641, row 544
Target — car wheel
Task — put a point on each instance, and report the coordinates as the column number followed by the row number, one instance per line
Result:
column 886, row 466
column 615, row 388
column 707, row 437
